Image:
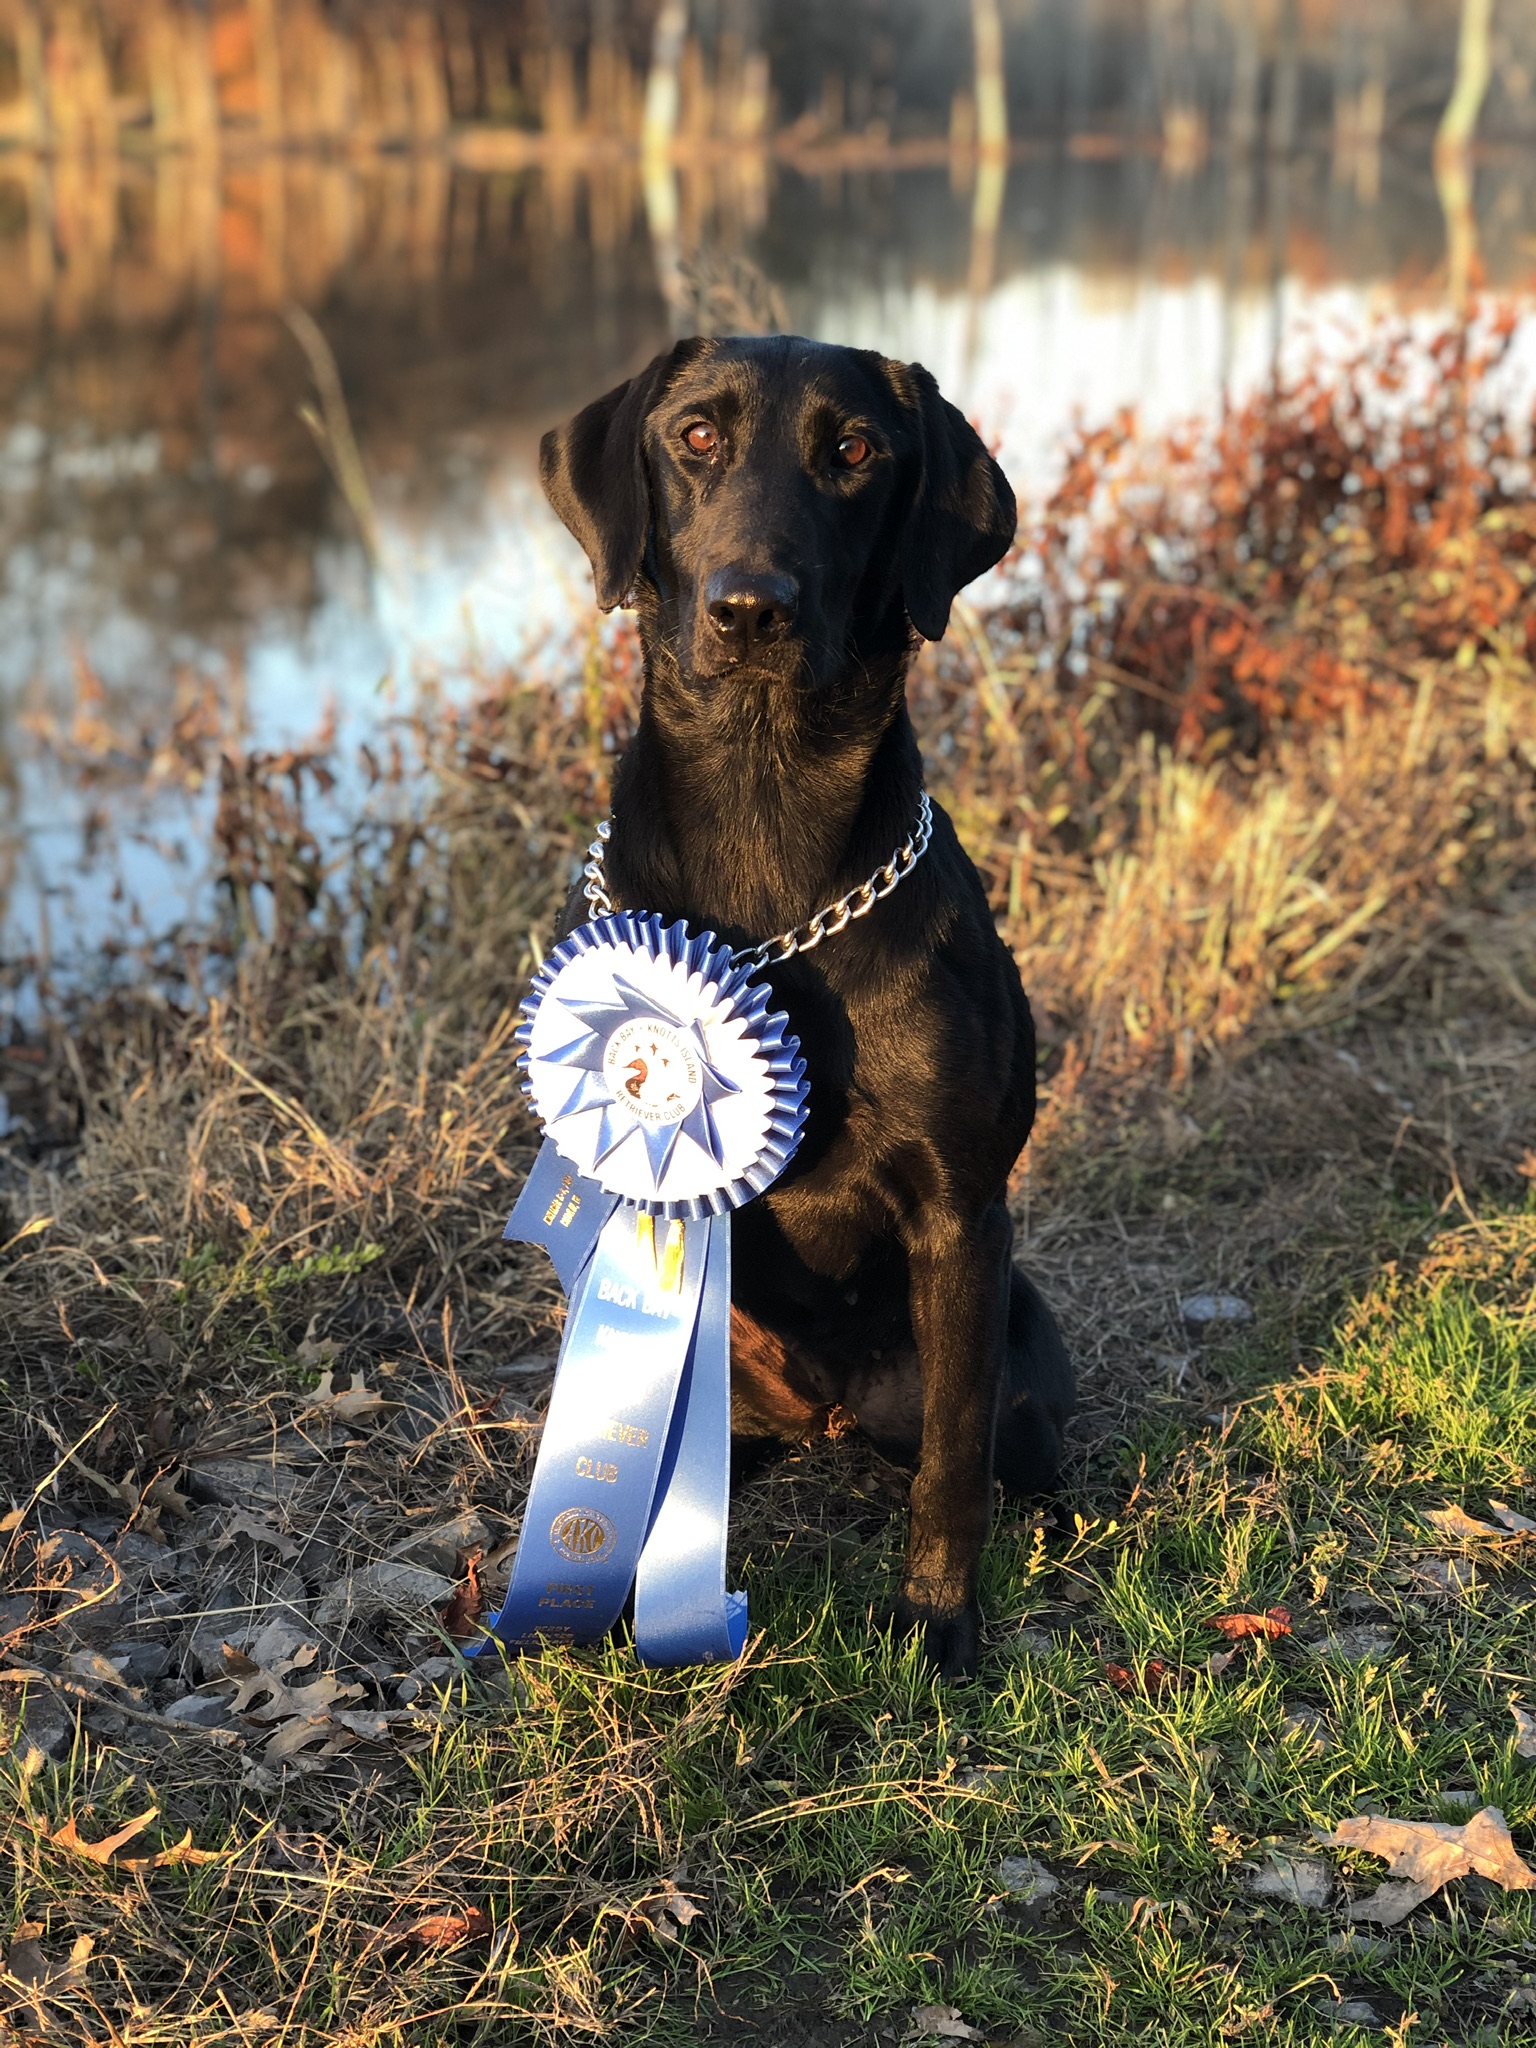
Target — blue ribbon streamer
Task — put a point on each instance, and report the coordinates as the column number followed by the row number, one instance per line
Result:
column 633, row 1475
column 561, row 1210
column 683, row 1613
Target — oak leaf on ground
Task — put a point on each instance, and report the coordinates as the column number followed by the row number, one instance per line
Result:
column 303, row 1732
column 68, row 1837
column 1455, row 1521
column 302, row 1717
column 243, row 1523
column 1152, row 1677
column 445, row 1930
column 1423, row 1855
column 461, row 1617
column 661, row 1912
column 264, row 1694
column 1271, row 1624
column 345, row 1404
column 670, row 1910
column 105, row 1852
column 39, row 1979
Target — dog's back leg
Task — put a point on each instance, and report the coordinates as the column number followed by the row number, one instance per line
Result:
column 1039, row 1392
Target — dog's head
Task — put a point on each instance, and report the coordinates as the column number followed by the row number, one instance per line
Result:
column 778, row 504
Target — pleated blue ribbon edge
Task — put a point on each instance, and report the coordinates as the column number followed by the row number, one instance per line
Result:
column 704, row 955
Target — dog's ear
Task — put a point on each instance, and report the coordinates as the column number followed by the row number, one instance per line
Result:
column 963, row 515
column 593, row 469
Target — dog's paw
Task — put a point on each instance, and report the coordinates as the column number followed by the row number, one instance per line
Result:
column 951, row 1637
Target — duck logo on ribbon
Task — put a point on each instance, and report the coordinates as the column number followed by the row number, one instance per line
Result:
column 670, row 1094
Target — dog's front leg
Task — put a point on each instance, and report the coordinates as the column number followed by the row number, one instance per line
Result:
column 959, row 1303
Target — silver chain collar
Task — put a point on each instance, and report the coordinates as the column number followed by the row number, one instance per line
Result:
column 804, row 938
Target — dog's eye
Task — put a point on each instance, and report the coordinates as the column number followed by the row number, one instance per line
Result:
column 852, row 450
column 702, row 438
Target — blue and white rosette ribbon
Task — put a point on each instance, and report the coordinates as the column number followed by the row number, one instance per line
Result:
column 670, row 1094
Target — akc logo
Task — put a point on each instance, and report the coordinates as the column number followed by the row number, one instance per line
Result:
column 583, row 1535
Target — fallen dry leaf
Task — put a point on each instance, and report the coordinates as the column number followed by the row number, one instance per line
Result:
column 1454, row 1521
column 301, row 1734
column 316, row 1351
column 175, row 1857
column 941, row 2023
column 267, row 1684
column 67, row 1837
column 1525, row 1731
column 668, row 1910
column 660, row 1912
column 282, row 1702
column 1272, row 1623
column 38, row 1979
column 242, row 1523
column 164, row 1496
column 344, row 1404
column 1152, row 1677
column 41, row 1980
column 301, row 1716
column 1517, row 1525
column 446, row 1930
column 1426, row 1854
column 1219, row 1661
column 461, row 1617
column 105, row 1851
column 162, row 1427
column 91, row 1665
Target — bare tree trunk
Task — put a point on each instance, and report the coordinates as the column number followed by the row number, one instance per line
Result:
column 1372, row 115
column 1453, row 168
column 991, row 80
column 1242, row 139
column 269, row 68
column 658, row 132
column 1282, row 148
column 662, row 88
column 28, row 32
column 992, row 160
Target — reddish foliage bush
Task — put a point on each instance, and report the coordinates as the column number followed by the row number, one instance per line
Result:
column 1305, row 555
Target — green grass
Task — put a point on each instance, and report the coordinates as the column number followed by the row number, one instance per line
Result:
column 840, row 1818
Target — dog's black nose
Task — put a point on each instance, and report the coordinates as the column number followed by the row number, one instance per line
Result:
column 750, row 612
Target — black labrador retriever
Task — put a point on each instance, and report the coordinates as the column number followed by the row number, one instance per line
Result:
column 788, row 518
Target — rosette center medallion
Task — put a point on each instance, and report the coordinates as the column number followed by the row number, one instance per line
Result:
column 652, row 1073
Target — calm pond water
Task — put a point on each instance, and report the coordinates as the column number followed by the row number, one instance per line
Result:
column 169, row 532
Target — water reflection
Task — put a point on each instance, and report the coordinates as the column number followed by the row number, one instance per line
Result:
column 167, row 522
